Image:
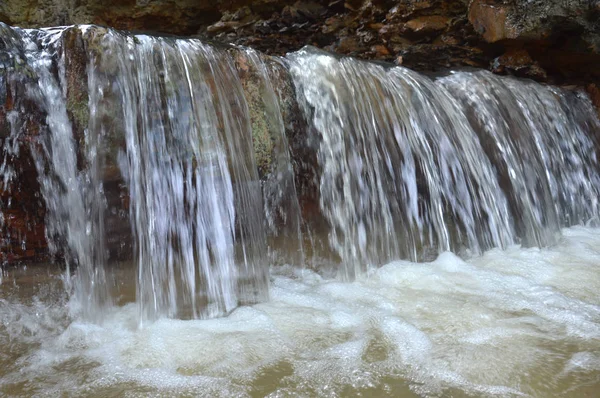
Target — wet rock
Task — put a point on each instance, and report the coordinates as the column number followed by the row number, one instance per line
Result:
column 305, row 11
column 22, row 212
column 434, row 57
column 76, row 61
column 333, row 24
column 380, row 52
column 593, row 91
column 348, row 46
column 264, row 129
column 518, row 62
column 491, row 20
column 524, row 20
column 222, row 26
column 428, row 24
column 177, row 17
column 568, row 30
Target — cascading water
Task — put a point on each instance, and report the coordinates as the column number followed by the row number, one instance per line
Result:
column 191, row 174
column 407, row 164
column 471, row 160
column 401, row 165
column 195, row 148
column 182, row 139
column 544, row 154
column 73, row 197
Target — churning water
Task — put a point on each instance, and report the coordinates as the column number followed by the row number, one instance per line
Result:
column 436, row 194
column 511, row 323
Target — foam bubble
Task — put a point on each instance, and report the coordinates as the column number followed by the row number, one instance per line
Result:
column 509, row 323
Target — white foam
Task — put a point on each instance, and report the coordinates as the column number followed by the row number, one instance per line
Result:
column 494, row 325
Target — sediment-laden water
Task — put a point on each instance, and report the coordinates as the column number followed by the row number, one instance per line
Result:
column 514, row 322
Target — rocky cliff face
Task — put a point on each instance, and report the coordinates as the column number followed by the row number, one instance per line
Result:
column 556, row 40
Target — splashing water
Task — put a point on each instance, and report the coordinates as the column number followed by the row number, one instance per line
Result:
column 181, row 139
column 407, row 165
column 471, row 160
column 544, row 153
column 514, row 322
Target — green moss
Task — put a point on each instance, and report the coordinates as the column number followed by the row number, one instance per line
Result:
column 77, row 106
column 261, row 134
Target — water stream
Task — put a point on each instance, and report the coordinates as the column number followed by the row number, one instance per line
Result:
column 459, row 215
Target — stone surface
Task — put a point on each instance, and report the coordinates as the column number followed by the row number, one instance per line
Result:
column 593, row 91
column 518, row 62
column 429, row 24
column 22, row 211
column 561, row 37
column 537, row 20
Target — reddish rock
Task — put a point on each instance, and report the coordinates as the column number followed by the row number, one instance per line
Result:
column 222, row 27
column 333, row 24
column 490, row 20
column 348, row 45
column 428, row 24
column 593, row 91
column 518, row 62
column 380, row 51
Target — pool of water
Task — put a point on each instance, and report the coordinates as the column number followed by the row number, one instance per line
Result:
column 515, row 322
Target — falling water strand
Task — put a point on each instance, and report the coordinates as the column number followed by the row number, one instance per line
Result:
column 10, row 82
column 541, row 147
column 407, row 166
column 9, row 147
column 402, row 171
column 191, row 175
column 72, row 217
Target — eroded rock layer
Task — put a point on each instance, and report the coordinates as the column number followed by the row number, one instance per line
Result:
column 546, row 40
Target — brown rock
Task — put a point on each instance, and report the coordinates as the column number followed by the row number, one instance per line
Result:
column 450, row 39
column 221, row 26
column 348, row 45
column 428, row 24
column 518, row 62
column 380, row 51
column 432, row 57
column 333, row 24
column 490, row 20
column 593, row 91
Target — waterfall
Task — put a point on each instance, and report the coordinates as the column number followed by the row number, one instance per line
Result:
column 401, row 166
column 73, row 197
column 171, row 119
column 541, row 140
column 468, row 161
column 195, row 198
column 192, row 146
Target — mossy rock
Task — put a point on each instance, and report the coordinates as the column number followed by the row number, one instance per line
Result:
column 264, row 129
